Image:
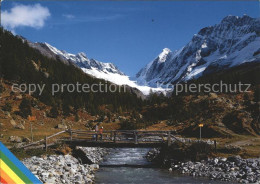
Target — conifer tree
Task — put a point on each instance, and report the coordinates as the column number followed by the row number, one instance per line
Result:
column 25, row 108
column 54, row 112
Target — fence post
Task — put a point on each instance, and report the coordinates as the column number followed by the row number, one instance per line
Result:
column 135, row 134
column 111, row 135
column 31, row 132
column 46, row 143
column 215, row 145
column 96, row 137
column 114, row 136
column 169, row 138
column 70, row 134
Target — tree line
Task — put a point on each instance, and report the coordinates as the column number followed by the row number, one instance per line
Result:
column 20, row 63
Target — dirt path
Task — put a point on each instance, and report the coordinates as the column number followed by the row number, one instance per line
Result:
column 247, row 142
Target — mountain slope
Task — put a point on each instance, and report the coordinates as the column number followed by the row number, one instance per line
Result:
column 234, row 41
column 22, row 64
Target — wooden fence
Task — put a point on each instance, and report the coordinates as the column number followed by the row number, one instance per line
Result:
column 43, row 143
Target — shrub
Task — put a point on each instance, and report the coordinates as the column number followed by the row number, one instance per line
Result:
column 128, row 125
column 1, row 88
column 7, row 107
column 199, row 151
column 54, row 112
column 77, row 117
column 66, row 110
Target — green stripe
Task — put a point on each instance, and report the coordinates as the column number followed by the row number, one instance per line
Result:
column 17, row 171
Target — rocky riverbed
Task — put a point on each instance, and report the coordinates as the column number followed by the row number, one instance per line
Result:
column 233, row 168
column 66, row 168
column 95, row 155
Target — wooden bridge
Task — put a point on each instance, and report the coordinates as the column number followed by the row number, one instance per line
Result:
column 112, row 138
column 120, row 138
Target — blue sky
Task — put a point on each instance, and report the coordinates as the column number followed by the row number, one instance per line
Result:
column 128, row 34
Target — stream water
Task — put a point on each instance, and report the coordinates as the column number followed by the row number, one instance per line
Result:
column 128, row 165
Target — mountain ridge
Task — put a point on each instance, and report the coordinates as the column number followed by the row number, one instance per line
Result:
column 80, row 59
column 233, row 41
column 101, row 70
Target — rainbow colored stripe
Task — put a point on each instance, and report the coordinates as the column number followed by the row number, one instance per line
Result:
column 12, row 171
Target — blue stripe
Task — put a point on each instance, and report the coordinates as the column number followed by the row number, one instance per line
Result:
column 19, row 164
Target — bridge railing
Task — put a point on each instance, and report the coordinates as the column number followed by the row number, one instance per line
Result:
column 43, row 142
column 123, row 136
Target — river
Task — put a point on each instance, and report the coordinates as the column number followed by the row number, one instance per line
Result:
column 128, row 165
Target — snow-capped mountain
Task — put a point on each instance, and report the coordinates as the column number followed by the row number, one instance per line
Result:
column 79, row 59
column 106, row 71
column 235, row 40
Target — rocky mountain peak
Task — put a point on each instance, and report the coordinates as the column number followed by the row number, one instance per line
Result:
column 82, row 55
column 231, row 42
column 164, row 55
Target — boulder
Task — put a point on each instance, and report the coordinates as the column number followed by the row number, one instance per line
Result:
column 62, row 126
column 117, row 121
column 15, row 139
column 26, row 139
column 8, row 114
column 123, row 118
column 13, row 122
column 41, row 123
column 19, row 97
column 213, row 95
column 19, row 145
column 20, row 126
column 46, row 74
column 94, row 166
column 91, row 176
column 140, row 116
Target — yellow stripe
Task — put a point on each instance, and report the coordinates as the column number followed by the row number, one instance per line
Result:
column 10, row 173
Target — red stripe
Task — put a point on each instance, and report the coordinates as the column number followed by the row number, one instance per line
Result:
column 6, row 177
column 2, row 180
